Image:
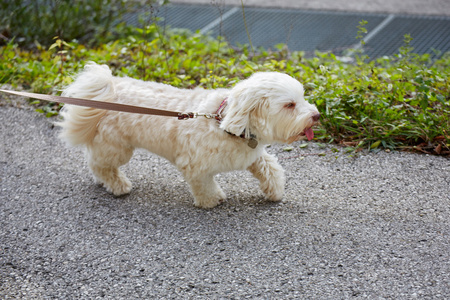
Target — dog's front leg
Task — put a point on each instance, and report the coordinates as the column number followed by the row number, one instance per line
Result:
column 206, row 191
column 270, row 175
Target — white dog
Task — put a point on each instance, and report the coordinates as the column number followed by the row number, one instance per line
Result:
column 268, row 107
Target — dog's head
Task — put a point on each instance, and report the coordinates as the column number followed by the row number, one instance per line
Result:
column 272, row 107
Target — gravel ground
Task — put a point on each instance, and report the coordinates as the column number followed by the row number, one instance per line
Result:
column 364, row 226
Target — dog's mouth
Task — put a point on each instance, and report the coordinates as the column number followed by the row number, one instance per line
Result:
column 308, row 132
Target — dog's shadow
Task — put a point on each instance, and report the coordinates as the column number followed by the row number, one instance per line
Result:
column 242, row 201
column 177, row 195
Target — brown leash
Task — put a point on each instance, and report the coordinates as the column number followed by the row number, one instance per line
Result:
column 114, row 106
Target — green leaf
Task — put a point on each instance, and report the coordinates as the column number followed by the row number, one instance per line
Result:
column 441, row 98
column 53, row 46
column 51, row 114
column 375, row 144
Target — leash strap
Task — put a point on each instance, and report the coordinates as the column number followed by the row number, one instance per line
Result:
column 106, row 105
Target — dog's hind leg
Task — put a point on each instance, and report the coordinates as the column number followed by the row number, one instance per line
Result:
column 104, row 162
column 270, row 175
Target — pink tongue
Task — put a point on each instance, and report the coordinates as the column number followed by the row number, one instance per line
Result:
column 309, row 134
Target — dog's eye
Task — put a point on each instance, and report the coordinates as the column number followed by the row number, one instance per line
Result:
column 290, row 105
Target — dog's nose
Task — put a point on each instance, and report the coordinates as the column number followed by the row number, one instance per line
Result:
column 316, row 117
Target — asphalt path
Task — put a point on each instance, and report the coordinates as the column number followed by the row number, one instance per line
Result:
column 371, row 225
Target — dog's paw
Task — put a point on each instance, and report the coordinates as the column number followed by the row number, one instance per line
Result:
column 120, row 187
column 274, row 192
column 210, row 201
column 206, row 204
column 275, row 197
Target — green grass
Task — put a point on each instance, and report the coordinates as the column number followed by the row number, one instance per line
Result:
column 398, row 103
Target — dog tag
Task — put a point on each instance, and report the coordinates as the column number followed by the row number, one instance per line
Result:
column 252, row 143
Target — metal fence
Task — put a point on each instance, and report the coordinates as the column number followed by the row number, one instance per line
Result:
column 309, row 30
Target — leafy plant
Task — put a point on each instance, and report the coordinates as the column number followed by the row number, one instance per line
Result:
column 89, row 21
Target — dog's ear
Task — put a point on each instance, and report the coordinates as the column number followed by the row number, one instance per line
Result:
column 240, row 104
column 236, row 120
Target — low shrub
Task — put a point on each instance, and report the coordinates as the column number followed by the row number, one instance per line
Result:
column 89, row 21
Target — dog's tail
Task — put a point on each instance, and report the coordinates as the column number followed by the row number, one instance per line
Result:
column 79, row 125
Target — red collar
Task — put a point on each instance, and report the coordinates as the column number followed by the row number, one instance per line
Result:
column 218, row 115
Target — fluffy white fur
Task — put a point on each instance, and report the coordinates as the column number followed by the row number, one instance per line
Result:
column 267, row 105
